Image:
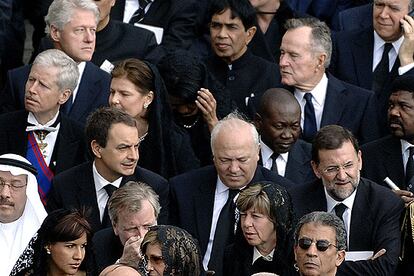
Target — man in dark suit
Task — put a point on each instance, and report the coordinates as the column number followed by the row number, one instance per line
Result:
column 243, row 74
column 48, row 139
column 133, row 208
column 305, row 55
column 354, row 18
column 278, row 123
column 200, row 198
column 177, row 18
column 358, row 56
column 76, row 37
column 113, row 139
column 370, row 212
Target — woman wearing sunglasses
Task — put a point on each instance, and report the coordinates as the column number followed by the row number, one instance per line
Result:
column 169, row 250
column 266, row 223
column 320, row 242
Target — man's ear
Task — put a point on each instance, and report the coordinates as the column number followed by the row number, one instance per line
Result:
column 54, row 33
column 315, row 169
column 96, row 149
column 250, row 34
column 340, row 257
column 64, row 96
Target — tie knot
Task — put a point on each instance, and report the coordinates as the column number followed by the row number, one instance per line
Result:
column 274, row 156
column 110, row 189
column 340, row 209
column 387, row 47
column 233, row 193
column 143, row 3
column 411, row 151
column 308, row 97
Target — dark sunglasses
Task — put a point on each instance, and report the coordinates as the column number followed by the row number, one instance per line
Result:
column 321, row 245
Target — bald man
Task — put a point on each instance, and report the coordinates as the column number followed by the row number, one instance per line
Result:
column 278, row 123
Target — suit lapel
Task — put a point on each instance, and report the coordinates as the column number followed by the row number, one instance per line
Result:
column 67, row 144
column 87, row 195
column 334, row 102
column 17, row 138
column 295, row 163
column 393, row 161
column 362, row 51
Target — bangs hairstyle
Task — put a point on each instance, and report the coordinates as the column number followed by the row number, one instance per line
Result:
column 137, row 72
column 255, row 197
column 68, row 227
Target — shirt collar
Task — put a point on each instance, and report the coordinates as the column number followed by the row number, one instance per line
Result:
column 267, row 152
column 318, row 92
column 405, row 145
column 257, row 255
column 331, row 203
column 100, row 181
column 379, row 42
column 32, row 120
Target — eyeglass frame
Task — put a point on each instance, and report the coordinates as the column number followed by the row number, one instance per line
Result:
column 334, row 170
column 13, row 187
column 321, row 245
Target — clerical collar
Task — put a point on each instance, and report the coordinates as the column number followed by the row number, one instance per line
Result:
column 257, row 255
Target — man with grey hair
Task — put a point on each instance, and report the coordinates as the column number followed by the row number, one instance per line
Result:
column 305, row 54
column 202, row 201
column 320, row 243
column 133, row 209
column 71, row 25
column 370, row 212
column 374, row 56
column 46, row 137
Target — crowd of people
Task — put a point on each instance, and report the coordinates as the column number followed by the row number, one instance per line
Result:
column 214, row 137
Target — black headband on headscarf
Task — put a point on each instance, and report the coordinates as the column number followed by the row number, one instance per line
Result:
column 19, row 164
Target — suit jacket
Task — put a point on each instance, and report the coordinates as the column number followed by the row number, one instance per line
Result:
column 298, row 167
column 351, row 62
column 354, row 18
column 93, row 91
column 192, row 199
column 374, row 223
column 383, row 158
column 351, row 107
column 178, row 18
column 67, row 193
column 69, row 151
column 107, row 248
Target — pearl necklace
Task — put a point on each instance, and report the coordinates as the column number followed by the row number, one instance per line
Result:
column 193, row 124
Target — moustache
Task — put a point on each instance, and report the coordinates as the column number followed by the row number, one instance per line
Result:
column 6, row 202
column 395, row 121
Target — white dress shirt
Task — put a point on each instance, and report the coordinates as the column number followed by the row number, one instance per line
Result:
column 349, row 203
column 101, row 194
column 257, row 255
column 50, row 138
column 281, row 160
column 318, row 100
column 405, row 149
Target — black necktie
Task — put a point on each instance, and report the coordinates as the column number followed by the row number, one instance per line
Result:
column 140, row 12
column 309, row 126
column 274, row 164
column 110, row 189
column 409, row 171
column 339, row 210
column 381, row 72
column 224, row 233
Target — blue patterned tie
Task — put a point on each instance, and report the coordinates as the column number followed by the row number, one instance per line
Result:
column 309, row 126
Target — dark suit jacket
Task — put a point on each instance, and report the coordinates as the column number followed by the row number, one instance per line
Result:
column 192, row 199
column 298, row 167
column 69, row 151
column 374, row 223
column 178, row 18
column 75, row 188
column 354, row 18
column 383, row 158
column 93, row 91
column 107, row 248
column 352, row 62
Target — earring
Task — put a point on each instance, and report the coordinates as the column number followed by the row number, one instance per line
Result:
column 48, row 251
column 146, row 105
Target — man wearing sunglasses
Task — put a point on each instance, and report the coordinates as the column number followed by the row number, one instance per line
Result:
column 320, row 243
column 370, row 212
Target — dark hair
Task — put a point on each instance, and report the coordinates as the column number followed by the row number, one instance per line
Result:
column 61, row 226
column 331, row 137
column 137, row 72
column 403, row 83
column 325, row 219
column 239, row 8
column 100, row 121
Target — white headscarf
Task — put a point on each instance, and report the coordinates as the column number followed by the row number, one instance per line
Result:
column 27, row 225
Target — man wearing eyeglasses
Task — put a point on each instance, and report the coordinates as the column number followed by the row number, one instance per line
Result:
column 370, row 212
column 21, row 210
column 320, row 243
